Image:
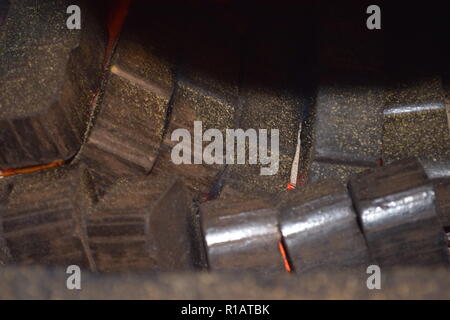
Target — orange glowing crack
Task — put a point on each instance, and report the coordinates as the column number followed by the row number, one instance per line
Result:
column 287, row 266
column 116, row 19
column 11, row 172
column 290, row 186
column 300, row 182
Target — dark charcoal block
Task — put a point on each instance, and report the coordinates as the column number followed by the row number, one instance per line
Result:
column 271, row 97
column 171, row 230
column 49, row 75
column 117, row 227
column 347, row 128
column 44, row 217
column 128, row 129
column 241, row 236
column 207, row 88
column 149, row 42
column 396, row 208
column 207, row 91
column 213, row 101
column 147, row 55
column 348, row 121
column 199, row 179
column 191, row 103
column 347, row 118
column 118, row 242
column 142, row 224
column 415, row 123
column 127, row 133
column 320, row 229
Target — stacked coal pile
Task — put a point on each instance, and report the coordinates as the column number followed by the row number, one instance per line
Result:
column 104, row 118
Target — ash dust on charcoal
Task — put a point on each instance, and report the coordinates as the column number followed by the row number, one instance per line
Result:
column 87, row 121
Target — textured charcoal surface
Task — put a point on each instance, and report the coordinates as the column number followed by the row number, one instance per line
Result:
column 397, row 212
column 43, row 115
column 320, row 229
column 364, row 99
column 117, row 228
column 207, row 91
column 271, row 97
column 143, row 224
column 125, row 139
column 189, row 105
column 416, row 121
column 347, row 119
column 241, row 235
column 320, row 170
column 439, row 172
column 171, row 231
column 417, row 69
column 44, row 217
column 127, row 132
column 148, row 224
